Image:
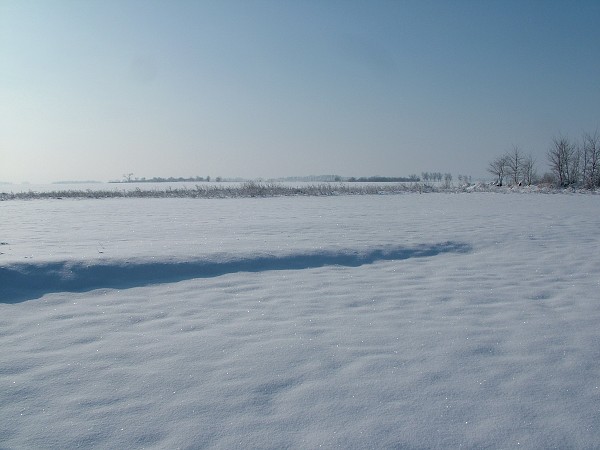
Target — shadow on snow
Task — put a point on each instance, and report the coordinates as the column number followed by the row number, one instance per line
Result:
column 26, row 281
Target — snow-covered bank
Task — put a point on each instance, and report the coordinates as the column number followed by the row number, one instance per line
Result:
column 493, row 346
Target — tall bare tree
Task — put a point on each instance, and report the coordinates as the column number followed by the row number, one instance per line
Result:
column 447, row 180
column 575, row 166
column 514, row 162
column 528, row 170
column 591, row 160
column 563, row 157
column 498, row 167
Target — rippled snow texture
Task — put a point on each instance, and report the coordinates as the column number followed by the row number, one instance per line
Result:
column 495, row 345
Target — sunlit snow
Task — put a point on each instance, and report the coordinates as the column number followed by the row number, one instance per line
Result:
column 391, row 321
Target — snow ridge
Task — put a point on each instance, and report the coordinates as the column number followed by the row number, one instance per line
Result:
column 25, row 281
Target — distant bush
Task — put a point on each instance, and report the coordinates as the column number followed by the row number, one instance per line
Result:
column 252, row 189
column 245, row 190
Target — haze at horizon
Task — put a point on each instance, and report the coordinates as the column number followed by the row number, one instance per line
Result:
column 97, row 89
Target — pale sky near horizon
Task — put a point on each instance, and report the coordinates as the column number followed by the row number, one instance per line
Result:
column 94, row 89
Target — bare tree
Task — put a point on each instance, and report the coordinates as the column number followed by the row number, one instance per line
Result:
column 447, row 180
column 548, row 178
column 575, row 166
column 514, row 161
column 498, row 167
column 591, row 160
column 528, row 170
column 563, row 157
column 464, row 180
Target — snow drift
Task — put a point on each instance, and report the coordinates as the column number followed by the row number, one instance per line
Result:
column 23, row 281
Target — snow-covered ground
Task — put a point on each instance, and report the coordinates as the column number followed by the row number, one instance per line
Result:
column 399, row 321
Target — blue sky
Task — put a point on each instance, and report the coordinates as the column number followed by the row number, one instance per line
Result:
column 95, row 89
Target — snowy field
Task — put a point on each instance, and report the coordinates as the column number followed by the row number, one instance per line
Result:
column 398, row 321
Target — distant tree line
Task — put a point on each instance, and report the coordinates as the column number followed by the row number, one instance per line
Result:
column 129, row 178
column 444, row 178
column 378, row 179
column 570, row 163
column 431, row 176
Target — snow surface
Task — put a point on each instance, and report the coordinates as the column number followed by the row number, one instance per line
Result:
column 404, row 321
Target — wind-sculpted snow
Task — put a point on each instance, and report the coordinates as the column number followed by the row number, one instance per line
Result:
column 24, row 281
column 386, row 321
